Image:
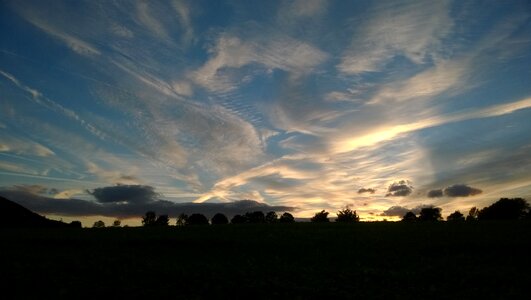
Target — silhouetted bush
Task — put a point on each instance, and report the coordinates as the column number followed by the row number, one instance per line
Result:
column 219, row 219
column 472, row 214
column 197, row 219
column 181, row 220
column 271, row 217
column 455, row 216
column 409, row 217
column 255, row 217
column 98, row 224
column 162, row 220
column 149, row 219
column 347, row 215
column 75, row 224
column 238, row 219
column 320, row 217
column 430, row 214
column 286, row 218
column 116, row 223
column 505, row 209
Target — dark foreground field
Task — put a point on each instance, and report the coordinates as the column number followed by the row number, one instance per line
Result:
column 364, row 261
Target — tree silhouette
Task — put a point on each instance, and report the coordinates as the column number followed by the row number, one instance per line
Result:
column 430, row 214
column 286, row 218
column 162, row 220
column 320, row 217
column 197, row 219
column 98, row 224
column 75, row 224
column 219, row 219
column 238, row 219
column 472, row 214
column 271, row 217
column 505, row 209
column 116, row 223
column 347, row 215
column 455, row 216
column 409, row 217
column 149, row 219
column 255, row 217
column 181, row 219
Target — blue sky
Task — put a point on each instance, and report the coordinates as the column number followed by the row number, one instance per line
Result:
column 305, row 104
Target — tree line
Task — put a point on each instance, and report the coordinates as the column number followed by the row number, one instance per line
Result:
column 503, row 209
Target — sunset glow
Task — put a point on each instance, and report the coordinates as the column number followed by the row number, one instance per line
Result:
column 298, row 105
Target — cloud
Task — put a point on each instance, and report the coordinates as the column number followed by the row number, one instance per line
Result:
column 400, row 211
column 306, row 8
column 24, row 146
column 151, row 22
column 37, row 17
column 435, row 193
column 40, row 99
column 125, row 193
column 183, row 11
column 391, row 132
column 461, row 190
column 413, row 29
column 395, row 211
column 400, row 189
column 273, row 52
column 81, row 208
column 364, row 190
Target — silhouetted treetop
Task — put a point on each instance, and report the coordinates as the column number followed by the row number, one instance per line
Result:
column 505, row 209
column 320, row 217
column 409, row 217
column 162, row 220
column 430, row 214
column 98, row 224
column 219, row 219
column 238, row 219
column 197, row 219
column 149, row 219
column 181, row 219
column 271, row 217
column 255, row 217
column 347, row 215
column 472, row 214
column 455, row 216
column 286, row 218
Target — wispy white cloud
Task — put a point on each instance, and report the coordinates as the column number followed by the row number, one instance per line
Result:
column 276, row 52
column 40, row 99
column 413, row 29
column 39, row 19
column 391, row 132
column 149, row 20
column 302, row 8
column 184, row 12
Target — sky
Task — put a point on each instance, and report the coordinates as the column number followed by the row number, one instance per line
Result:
column 112, row 108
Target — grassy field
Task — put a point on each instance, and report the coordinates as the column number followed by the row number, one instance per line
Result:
column 300, row 261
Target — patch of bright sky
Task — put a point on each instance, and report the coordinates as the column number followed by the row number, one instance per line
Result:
column 288, row 102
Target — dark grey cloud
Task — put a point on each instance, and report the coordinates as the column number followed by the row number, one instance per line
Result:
column 461, row 190
column 400, row 211
column 35, row 189
column 125, row 193
column 364, row 190
column 435, row 193
column 77, row 207
column 395, row 211
column 400, row 188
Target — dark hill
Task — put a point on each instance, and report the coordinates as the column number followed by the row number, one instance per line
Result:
column 13, row 215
